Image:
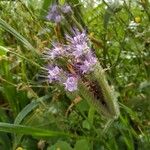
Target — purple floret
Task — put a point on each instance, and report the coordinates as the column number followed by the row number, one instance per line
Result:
column 57, row 51
column 66, row 9
column 54, row 73
column 54, row 14
column 71, row 84
column 78, row 37
column 87, row 64
column 78, row 44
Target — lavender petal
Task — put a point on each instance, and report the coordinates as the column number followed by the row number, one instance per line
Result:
column 71, row 84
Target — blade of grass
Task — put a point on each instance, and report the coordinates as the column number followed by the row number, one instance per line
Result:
column 26, row 110
column 4, row 25
column 26, row 130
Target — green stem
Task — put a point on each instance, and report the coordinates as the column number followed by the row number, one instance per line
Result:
column 77, row 23
column 91, row 114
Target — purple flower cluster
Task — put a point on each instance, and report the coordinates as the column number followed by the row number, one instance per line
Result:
column 55, row 12
column 78, row 44
column 79, row 49
column 78, row 53
column 68, row 80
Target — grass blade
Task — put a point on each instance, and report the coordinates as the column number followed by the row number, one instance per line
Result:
column 28, row 109
column 20, row 129
column 11, row 30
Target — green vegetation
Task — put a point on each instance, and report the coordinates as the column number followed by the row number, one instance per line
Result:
column 36, row 114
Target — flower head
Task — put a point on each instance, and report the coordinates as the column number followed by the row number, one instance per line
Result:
column 71, row 84
column 133, row 25
column 78, row 37
column 91, row 58
column 66, row 9
column 54, row 14
column 54, row 73
column 57, row 51
column 86, row 63
column 78, row 53
column 78, row 44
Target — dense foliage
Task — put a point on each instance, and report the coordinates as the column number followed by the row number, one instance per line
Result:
column 37, row 114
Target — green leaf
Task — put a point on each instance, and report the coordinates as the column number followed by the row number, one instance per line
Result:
column 82, row 145
column 62, row 2
column 3, row 116
column 86, row 124
column 144, row 87
column 28, row 144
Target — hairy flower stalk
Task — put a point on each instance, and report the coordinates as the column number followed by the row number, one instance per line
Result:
column 86, row 77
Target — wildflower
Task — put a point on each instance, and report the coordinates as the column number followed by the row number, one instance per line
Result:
column 78, row 49
column 88, row 63
column 71, row 84
column 91, row 57
column 85, row 67
column 133, row 25
column 54, row 73
column 79, row 37
column 79, row 55
column 57, row 51
column 66, row 9
column 54, row 14
column 137, row 19
column 58, row 18
column 78, row 44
